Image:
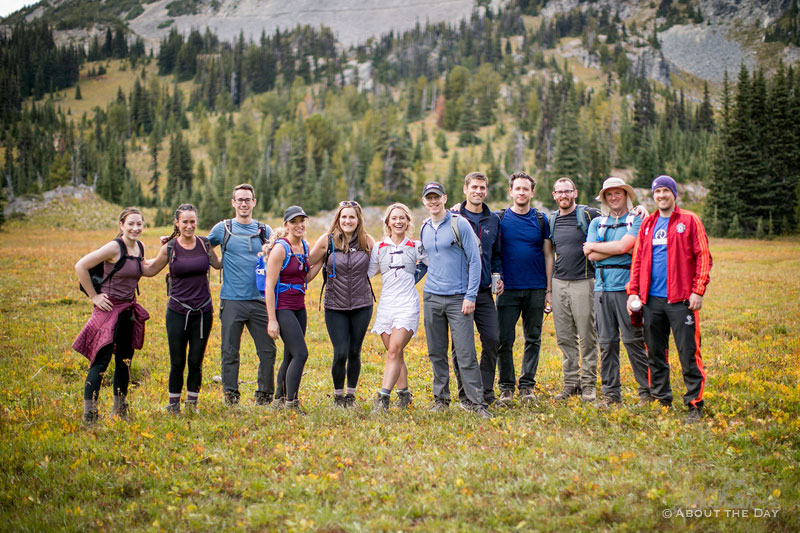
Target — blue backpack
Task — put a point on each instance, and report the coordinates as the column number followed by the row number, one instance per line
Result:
column 261, row 269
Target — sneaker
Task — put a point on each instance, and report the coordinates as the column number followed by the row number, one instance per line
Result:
column 506, row 397
column 527, row 394
column 588, row 395
column 173, row 408
column 695, row 415
column 482, row 412
column 190, row 406
column 350, row 401
column 569, row 390
column 440, row 406
column 404, row 399
column 262, row 398
column 380, row 403
column 231, row 398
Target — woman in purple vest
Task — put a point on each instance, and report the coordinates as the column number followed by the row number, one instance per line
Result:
column 189, row 309
column 285, row 295
column 345, row 250
column 116, row 326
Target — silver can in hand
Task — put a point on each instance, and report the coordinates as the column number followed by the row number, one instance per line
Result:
column 495, row 280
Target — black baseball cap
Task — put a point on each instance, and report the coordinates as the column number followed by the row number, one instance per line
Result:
column 293, row 211
column 433, row 187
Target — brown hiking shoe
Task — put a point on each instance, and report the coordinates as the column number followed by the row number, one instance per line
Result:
column 695, row 416
column 527, row 394
column 566, row 392
column 645, row 400
column 381, row 403
column 506, row 397
column 404, row 399
column 121, row 408
column 588, row 395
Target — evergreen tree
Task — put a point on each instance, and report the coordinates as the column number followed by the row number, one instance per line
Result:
column 568, row 161
column 467, row 126
column 78, row 92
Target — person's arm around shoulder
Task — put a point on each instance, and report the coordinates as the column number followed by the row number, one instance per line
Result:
column 547, row 249
column 274, row 263
column 108, row 252
column 215, row 260
column 471, row 249
column 216, row 234
column 318, row 251
column 153, row 266
column 374, row 267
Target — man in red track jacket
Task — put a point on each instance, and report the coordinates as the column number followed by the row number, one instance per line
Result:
column 669, row 273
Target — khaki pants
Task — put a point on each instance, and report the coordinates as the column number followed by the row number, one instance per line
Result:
column 573, row 316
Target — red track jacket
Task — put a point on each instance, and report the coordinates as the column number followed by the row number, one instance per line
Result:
column 688, row 257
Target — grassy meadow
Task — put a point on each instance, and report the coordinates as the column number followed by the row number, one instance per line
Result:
column 539, row 466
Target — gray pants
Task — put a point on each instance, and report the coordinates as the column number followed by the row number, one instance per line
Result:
column 573, row 316
column 234, row 315
column 612, row 318
column 441, row 312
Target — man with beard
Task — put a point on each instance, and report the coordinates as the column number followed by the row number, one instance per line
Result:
column 573, row 287
column 528, row 266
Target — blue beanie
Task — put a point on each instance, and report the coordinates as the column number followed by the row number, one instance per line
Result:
column 665, row 181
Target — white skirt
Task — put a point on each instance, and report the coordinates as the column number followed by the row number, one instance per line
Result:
column 386, row 319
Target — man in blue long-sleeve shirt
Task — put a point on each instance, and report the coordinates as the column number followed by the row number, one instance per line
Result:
column 451, row 287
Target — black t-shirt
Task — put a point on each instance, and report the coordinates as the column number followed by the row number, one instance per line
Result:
column 568, row 241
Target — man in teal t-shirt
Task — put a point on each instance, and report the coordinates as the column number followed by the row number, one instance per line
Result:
column 609, row 243
column 240, row 302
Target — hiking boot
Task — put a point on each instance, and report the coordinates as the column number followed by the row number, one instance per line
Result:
column 262, row 398
column 190, row 406
column 440, row 405
column 695, row 416
column 606, row 402
column 339, row 401
column 527, row 394
column 569, row 390
column 231, row 399
column 506, row 397
column 90, row 418
column 666, row 404
column 278, row 405
column 645, row 400
column 403, row 399
column 588, row 395
column 350, row 401
column 380, row 403
column 294, row 406
column 482, row 412
column 173, row 408
column 121, row 408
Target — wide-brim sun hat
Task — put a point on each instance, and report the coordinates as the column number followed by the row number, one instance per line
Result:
column 615, row 183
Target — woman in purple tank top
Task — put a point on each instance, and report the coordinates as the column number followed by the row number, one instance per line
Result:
column 189, row 309
column 116, row 326
column 285, row 291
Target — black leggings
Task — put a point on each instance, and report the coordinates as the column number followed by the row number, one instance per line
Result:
column 295, row 353
column 123, row 340
column 178, row 338
column 347, row 330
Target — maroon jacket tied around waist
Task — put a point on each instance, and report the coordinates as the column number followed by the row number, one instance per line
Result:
column 99, row 330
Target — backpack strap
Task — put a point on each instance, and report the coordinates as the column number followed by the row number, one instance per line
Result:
column 328, row 252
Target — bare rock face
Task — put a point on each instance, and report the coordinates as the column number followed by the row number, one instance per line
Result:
column 352, row 21
column 30, row 204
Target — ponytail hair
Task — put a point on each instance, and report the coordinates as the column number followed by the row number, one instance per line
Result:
column 124, row 214
column 278, row 233
column 181, row 209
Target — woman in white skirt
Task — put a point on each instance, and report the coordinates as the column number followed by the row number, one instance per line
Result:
column 400, row 261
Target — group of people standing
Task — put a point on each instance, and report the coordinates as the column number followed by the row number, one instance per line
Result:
column 482, row 269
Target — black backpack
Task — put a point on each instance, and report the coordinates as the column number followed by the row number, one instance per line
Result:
column 96, row 272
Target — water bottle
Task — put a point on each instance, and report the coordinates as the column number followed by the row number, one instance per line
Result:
column 636, row 314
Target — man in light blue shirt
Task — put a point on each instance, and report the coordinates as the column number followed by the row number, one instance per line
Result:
column 241, row 304
column 451, row 287
column 609, row 243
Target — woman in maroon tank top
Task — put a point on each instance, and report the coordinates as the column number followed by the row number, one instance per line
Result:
column 284, row 292
column 116, row 326
column 189, row 309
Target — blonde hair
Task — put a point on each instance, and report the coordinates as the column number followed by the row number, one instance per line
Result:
column 278, row 233
column 336, row 232
column 124, row 214
column 406, row 211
